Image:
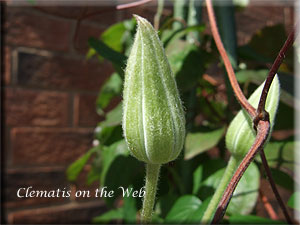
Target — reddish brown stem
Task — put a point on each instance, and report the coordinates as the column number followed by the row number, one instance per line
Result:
column 263, row 129
column 77, row 28
column 274, row 188
column 259, row 116
column 133, row 4
column 235, row 86
column 280, row 57
column 267, row 206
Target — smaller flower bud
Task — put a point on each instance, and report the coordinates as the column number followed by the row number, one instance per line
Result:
column 240, row 134
column 153, row 117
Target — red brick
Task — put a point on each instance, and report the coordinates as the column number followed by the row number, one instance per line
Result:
column 102, row 14
column 148, row 11
column 7, row 66
column 254, row 18
column 81, row 184
column 65, row 214
column 85, row 32
column 25, row 28
column 85, row 110
column 68, row 12
column 44, row 178
column 35, row 108
column 61, row 73
column 49, row 146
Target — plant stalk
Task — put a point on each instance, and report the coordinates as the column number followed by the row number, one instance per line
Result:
column 230, row 169
column 152, row 173
column 263, row 130
column 160, row 8
column 230, row 72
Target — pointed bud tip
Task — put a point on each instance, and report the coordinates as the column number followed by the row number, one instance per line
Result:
column 139, row 19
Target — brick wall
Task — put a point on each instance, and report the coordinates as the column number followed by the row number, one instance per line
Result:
column 49, row 102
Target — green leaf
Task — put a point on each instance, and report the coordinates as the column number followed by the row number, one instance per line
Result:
column 241, row 3
column 93, row 175
column 240, row 134
column 111, row 88
column 76, row 167
column 188, row 63
column 113, row 36
column 113, row 117
column 131, row 172
column 108, row 53
column 165, row 203
column 109, row 130
column 197, row 143
column 294, row 201
column 188, row 66
column 203, row 177
column 109, row 154
column 255, row 76
column 283, row 179
column 210, row 184
column 245, row 195
column 156, row 219
column 105, row 218
column 115, row 159
column 129, row 214
column 183, row 208
column 118, row 36
column 170, row 36
column 198, row 214
column 197, row 178
column 250, row 219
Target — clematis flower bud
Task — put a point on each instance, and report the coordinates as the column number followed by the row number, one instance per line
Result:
column 240, row 134
column 153, row 117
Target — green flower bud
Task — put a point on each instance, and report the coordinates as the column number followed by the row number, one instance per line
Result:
column 153, row 117
column 240, row 134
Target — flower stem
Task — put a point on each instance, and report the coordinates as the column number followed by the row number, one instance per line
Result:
column 231, row 166
column 152, row 173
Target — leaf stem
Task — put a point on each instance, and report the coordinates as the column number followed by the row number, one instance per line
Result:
column 160, row 7
column 231, row 167
column 263, row 129
column 274, row 188
column 152, row 174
